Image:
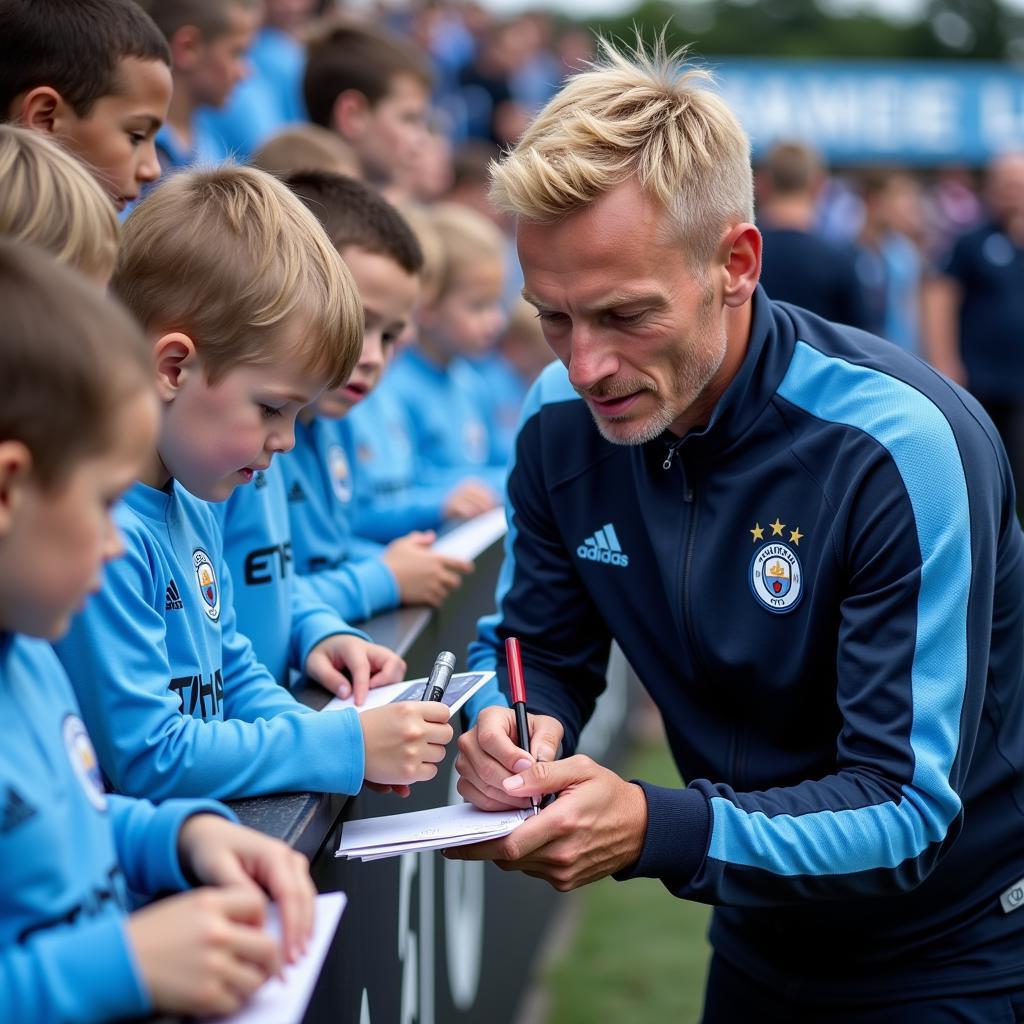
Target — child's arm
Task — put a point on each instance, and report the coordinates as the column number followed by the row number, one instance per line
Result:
column 358, row 590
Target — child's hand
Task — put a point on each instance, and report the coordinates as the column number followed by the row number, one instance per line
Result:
column 405, row 741
column 203, row 952
column 219, row 852
column 424, row 576
column 368, row 664
column 470, row 498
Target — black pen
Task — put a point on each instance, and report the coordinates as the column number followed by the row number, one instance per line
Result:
column 440, row 676
column 517, row 686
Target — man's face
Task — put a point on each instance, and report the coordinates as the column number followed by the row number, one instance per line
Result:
column 115, row 139
column 641, row 335
column 394, row 131
column 388, row 293
column 220, row 62
column 214, row 437
column 58, row 539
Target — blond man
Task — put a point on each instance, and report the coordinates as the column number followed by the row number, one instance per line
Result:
column 804, row 541
column 250, row 313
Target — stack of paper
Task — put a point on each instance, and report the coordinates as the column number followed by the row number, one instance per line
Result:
column 462, row 686
column 435, row 829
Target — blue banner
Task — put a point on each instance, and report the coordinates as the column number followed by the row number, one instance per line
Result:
column 855, row 112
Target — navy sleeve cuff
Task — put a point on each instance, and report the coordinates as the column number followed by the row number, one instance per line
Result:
column 678, row 830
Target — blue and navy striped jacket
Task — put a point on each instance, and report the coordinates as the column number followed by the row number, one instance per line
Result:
column 823, row 591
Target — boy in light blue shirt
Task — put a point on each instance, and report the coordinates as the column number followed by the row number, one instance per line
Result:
column 77, row 421
column 250, row 312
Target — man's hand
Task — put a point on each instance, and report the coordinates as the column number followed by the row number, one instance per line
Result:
column 219, row 852
column 595, row 828
column 368, row 664
column 488, row 755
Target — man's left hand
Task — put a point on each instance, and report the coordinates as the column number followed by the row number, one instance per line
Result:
column 595, row 828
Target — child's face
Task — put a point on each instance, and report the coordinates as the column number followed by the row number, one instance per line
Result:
column 388, row 294
column 394, row 131
column 214, row 437
column 467, row 319
column 55, row 542
column 219, row 63
column 115, row 139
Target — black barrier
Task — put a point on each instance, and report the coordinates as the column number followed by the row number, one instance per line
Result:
column 424, row 940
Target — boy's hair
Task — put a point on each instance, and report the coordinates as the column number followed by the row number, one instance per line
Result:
column 230, row 257
column 211, row 17
column 305, row 147
column 69, row 359
column 467, row 239
column 419, row 220
column 48, row 198
column 354, row 215
column 73, row 46
column 355, row 56
column 634, row 113
column 791, row 168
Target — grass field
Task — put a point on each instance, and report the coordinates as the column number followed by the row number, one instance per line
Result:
column 638, row 953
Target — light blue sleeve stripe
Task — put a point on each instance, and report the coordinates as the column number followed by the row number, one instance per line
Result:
column 921, row 443
column 551, row 386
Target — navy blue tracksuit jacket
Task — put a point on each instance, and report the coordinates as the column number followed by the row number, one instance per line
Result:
column 823, row 591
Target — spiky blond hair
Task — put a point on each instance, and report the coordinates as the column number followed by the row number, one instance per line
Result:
column 634, row 112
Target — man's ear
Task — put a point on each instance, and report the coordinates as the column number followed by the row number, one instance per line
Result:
column 175, row 358
column 350, row 114
column 739, row 257
column 41, row 108
column 15, row 475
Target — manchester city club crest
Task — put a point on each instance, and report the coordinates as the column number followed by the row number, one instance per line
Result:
column 83, row 760
column 341, row 475
column 209, row 589
column 776, row 577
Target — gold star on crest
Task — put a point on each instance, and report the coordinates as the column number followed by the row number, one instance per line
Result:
column 777, row 527
column 795, row 535
column 757, row 532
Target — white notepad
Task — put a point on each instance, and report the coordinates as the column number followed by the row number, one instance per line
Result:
column 461, row 687
column 434, row 829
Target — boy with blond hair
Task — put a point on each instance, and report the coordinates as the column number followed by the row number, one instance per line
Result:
column 77, row 419
column 250, row 313
column 49, row 199
column 95, row 75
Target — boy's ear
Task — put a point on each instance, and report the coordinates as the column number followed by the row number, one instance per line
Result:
column 350, row 114
column 176, row 359
column 41, row 108
column 186, row 45
column 15, row 473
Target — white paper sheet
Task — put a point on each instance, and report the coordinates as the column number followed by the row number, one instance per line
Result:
column 285, row 1002
column 461, row 687
column 434, row 829
column 470, row 539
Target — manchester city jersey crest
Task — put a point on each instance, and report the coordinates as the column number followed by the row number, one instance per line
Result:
column 209, row 589
column 341, row 475
column 83, row 760
column 776, row 577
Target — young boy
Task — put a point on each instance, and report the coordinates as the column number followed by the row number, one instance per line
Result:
column 77, row 418
column 373, row 89
column 49, row 199
column 358, row 577
column 249, row 312
column 93, row 73
column 208, row 41
column 442, row 394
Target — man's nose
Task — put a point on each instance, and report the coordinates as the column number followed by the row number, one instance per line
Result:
column 590, row 360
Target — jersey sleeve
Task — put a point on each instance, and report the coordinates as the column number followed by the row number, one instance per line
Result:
column 312, row 621
column 358, row 590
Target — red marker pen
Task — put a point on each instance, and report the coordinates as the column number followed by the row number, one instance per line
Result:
column 517, row 685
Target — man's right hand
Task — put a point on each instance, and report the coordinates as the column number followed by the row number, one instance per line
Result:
column 489, row 754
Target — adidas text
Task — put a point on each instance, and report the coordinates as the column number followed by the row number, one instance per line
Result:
column 603, row 547
column 602, row 555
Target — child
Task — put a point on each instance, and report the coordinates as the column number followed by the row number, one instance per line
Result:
column 373, row 89
column 77, row 417
column 441, row 393
column 305, row 147
column 94, row 74
column 358, row 578
column 208, row 40
column 249, row 312
column 48, row 198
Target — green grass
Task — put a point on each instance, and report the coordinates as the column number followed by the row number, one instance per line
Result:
column 638, row 954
